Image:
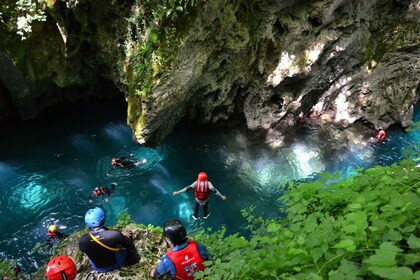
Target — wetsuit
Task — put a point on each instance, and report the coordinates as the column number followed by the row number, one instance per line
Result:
column 121, row 163
column 203, row 202
column 53, row 237
column 103, row 259
column 166, row 265
column 102, row 191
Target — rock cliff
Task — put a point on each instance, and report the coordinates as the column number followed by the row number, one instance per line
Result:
column 272, row 63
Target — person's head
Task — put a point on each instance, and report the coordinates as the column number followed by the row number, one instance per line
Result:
column 202, row 176
column 61, row 268
column 175, row 232
column 52, row 228
column 95, row 217
column 113, row 161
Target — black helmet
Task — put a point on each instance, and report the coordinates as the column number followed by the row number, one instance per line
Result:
column 175, row 231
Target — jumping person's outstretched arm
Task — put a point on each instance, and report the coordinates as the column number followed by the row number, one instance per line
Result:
column 213, row 189
column 190, row 187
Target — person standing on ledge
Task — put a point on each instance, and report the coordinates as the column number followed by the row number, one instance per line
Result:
column 202, row 190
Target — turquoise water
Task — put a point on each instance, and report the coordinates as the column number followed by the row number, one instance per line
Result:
column 48, row 167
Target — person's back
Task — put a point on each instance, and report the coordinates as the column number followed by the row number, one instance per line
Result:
column 104, row 258
column 106, row 249
column 185, row 257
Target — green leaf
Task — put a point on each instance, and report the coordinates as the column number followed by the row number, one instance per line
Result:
column 355, row 206
column 413, row 242
column 316, row 253
column 394, row 235
column 347, row 244
column 382, row 259
column 393, row 273
column 273, row 227
column 350, row 228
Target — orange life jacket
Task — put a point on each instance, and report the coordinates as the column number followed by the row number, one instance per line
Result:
column 202, row 192
column 187, row 261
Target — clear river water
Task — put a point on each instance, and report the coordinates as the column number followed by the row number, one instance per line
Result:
column 48, row 167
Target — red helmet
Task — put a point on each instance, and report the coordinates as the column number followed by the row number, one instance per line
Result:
column 61, row 268
column 202, row 176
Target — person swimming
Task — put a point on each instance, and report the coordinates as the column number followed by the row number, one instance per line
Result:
column 101, row 191
column 123, row 163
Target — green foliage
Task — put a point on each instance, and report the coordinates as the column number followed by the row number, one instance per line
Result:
column 363, row 227
column 6, row 267
column 161, row 23
column 123, row 219
column 19, row 16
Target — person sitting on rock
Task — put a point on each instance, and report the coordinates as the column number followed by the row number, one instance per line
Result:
column 185, row 256
column 106, row 249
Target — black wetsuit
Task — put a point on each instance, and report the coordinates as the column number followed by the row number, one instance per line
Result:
column 102, row 191
column 122, row 163
column 55, row 237
column 103, row 258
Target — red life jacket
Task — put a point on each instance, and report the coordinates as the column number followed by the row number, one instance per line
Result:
column 52, row 234
column 381, row 135
column 200, row 192
column 187, row 261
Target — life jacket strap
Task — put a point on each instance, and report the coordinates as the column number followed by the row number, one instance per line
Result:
column 102, row 244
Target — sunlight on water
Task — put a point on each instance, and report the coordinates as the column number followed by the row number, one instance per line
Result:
column 82, row 143
column 31, row 193
column 117, row 132
column 184, row 211
column 306, row 160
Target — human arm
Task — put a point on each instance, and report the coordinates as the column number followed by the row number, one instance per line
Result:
column 190, row 187
column 213, row 189
column 112, row 168
column 165, row 267
column 204, row 253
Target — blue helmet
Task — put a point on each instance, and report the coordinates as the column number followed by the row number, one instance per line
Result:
column 95, row 217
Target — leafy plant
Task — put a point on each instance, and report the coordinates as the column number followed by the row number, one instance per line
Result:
column 362, row 227
column 123, row 219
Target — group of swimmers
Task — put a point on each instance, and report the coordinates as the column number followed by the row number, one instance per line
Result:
column 109, row 249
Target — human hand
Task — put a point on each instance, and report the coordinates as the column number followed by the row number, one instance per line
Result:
column 224, row 197
column 106, row 199
column 90, row 200
column 175, row 193
column 152, row 272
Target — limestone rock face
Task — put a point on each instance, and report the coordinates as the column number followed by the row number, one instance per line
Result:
column 280, row 62
column 271, row 63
